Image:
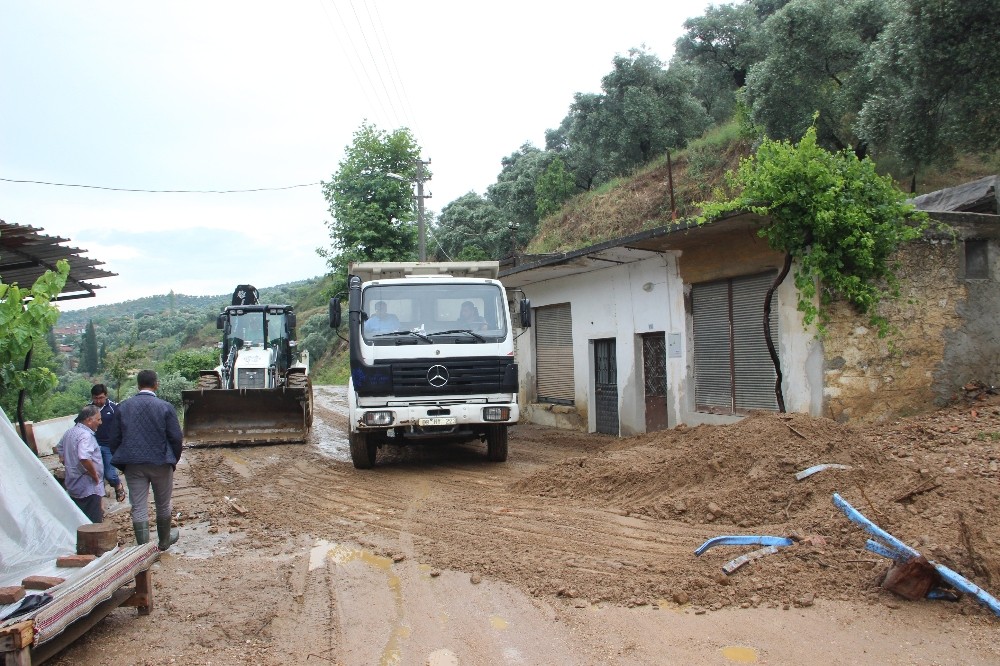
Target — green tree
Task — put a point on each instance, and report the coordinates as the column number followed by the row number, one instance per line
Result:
column 935, row 77
column 471, row 225
column 372, row 212
column 725, row 39
column 577, row 141
column 513, row 195
column 553, row 188
column 88, row 350
column 833, row 215
column 188, row 363
column 814, row 61
column 119, row 364
column 25, row 318
column 171, row 386
column 646, row 109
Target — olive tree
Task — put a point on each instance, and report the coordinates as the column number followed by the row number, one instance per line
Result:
column 935, row 79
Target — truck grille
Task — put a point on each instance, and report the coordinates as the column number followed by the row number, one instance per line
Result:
column 251, row 378
column 449, row 377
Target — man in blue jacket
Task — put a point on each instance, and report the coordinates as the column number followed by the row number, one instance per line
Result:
column 146, row 443
column 109, row 408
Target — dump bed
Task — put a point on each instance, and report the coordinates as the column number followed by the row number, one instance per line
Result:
column 386, row 270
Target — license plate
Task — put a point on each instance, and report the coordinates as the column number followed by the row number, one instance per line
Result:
column 437, row 421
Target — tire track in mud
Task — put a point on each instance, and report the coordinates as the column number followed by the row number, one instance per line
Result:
column 449, row 508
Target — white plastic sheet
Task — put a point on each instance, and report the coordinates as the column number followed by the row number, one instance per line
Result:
column 38, row 520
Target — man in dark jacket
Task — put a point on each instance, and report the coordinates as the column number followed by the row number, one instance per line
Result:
column 109, row 408
column 146, row 443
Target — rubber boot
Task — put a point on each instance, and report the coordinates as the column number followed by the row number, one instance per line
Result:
column 141, row 532
column 166, row 535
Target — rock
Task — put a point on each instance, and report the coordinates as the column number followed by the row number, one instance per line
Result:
column 475, row 579
column 435, row 573
column 680, row 506
column 806, row 600
column 714, row 509
column 721, row 579
column 681, row 597
column 398, row 557
column 717, row 606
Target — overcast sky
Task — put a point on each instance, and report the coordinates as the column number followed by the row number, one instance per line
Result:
column 220, row 95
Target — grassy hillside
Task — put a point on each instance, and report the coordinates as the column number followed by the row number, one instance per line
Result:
column 643, row 200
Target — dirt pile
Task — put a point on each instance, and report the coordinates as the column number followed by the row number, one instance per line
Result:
column 931, row 481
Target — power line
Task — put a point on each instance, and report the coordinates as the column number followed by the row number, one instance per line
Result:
column 371, row 56
column 127, row 189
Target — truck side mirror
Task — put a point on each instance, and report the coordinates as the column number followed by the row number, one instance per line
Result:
column 290, row 321
column 334, row 312
column 526, row 313
column 220, row 322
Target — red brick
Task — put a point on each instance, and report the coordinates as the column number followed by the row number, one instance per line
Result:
column 9, row 595
column 41, row 582
column 75, row 560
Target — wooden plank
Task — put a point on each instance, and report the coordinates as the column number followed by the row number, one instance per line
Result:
column 142, row 596
column 17, row 636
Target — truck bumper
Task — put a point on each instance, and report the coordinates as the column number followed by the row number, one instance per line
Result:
column 440, row 415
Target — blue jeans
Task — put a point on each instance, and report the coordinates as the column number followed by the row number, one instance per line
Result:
column 110, row 472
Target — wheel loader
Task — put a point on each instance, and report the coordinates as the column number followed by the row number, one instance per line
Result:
column 260, row 393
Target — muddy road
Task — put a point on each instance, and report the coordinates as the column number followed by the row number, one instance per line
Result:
column 577, row 550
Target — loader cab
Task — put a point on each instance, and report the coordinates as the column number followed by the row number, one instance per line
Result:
column 261, row 327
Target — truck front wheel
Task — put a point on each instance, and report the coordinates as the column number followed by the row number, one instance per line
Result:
column 362, row 450
column 496, row 443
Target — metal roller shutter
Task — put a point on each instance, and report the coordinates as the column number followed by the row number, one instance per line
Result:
column 713, row 389
column 754, row 371
column 733, row 370
column 554, row 354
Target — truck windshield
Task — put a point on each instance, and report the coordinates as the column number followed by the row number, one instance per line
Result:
column 431, row 308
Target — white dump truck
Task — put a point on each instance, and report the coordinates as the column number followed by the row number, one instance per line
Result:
column 432, row 355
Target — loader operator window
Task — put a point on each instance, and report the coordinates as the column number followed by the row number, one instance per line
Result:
column 248, row 329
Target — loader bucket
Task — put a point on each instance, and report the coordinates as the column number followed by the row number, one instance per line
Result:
column 218, row 417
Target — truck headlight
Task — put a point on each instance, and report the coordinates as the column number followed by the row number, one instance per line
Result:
column 496, row 413
column 379, row 418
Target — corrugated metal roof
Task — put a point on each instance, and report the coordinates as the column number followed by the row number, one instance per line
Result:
column 25, row 254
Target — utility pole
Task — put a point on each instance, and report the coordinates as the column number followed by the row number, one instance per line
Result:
column 420, row 196
column 422, row 251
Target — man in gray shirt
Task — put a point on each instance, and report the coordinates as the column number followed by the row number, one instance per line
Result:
column 81, row 455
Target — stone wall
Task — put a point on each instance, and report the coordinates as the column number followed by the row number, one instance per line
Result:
column 871, row 379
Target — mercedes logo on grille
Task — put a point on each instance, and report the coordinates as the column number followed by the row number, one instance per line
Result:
column 437, row 376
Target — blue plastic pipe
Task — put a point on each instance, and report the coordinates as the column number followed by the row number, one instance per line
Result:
column 957, row 581
column 743, row 540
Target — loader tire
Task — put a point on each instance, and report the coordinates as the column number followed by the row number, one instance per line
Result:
column 363, row 451
column 209, row 382
column 303, row 381
column 496, row 443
